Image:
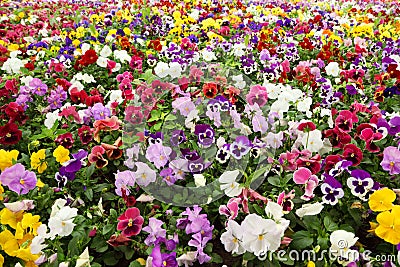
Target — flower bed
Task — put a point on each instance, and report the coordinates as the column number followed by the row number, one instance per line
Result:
column 189, row 133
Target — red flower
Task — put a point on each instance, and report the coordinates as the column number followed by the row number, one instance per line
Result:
column 345, row 120
column 89, row 57
column 10, row 134
column 330, row 162
column 369, row 135
column 210, row 90
column 353, row 153
column 66, row 140
column 16, row 113
column 155, row 44
column 130, row 222
column 133, row 114
column 85, row 134
column 306, row 126
column 96, row 156
column 337, row 138
column 70, row 112
column 78, row 96
column 313, row 164
column 117, row 241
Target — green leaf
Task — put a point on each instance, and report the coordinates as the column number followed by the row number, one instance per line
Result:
column 301, row 240
column 216, row 258
column 170, row 117
column 108, row 228
column 329, row 224
column 135, row 264
column 248, row 256
column 89, row 194
column 274, row 180
column 90, row 171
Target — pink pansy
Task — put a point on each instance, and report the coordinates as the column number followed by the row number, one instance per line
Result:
column 158, row 154
column 305, row 176
column 130, row 222
column 231, row 209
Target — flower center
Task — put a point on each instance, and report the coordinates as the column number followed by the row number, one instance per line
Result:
column 144, row 176
column 22, row 181
column 164, row 263
column 235, row 240
column 260, row 237
column 130, row 222
column 391, row 164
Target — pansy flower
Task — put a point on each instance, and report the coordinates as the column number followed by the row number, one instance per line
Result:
column 240, row 147
column 130, row 222
column 304, row 176
column 332, row 190
column 360, row 183
column 205, row 135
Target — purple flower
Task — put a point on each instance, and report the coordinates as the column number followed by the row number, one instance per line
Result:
column 168, row 175
column 132, row 154
column 205, row 135
column 190, row 155
column 184, row 105
column 351, row 89
column 56, row 97
column 77, row 161
column 198, row 165
column 240, row 147
column 199, row 243
column 391, row 160
column 223, row 154
column 177, row 137
column 123, row 180
column 260, row 124
column 180, row 167
column 100, row 112
column 360, row 183
column 155, row 231
column 332, row 190
column 158, row 154
column 144, row 174
column 156, row 138
column 38, row 87
column 163, row 259
column 18, row 179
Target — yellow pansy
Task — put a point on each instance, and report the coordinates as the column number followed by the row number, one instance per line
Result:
column 1, row 260
column 8, row 243
column 61, row 154
column 38, row 160
column 382, row 200
column 127, row 31
column 1, row 192
column 13, row 47
column 29, row 224
column 389, row 225
column 7, row 157
column 11, row 218
column 76, row 42
column 26, row 255
column 21, row 14
column 39, row 184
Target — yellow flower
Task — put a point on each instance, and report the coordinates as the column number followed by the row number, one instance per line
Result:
column 29, row 224
column 310, row 264
column 1, row 260
column 61, row 154
column 11, row 218
column 38, row 160
column 13, row 47
column 373, row 226
column 39, row 184
column 76, row 42
column 382, row 200
column 7, row 157
column 1, row 192
column 389, row 225
column 8, row 243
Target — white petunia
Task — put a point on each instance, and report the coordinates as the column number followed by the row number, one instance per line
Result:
column 228, row 183
column 232, row 238
column 310, row 209
column 332, row 69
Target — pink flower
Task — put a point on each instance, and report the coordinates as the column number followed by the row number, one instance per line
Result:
column 130, row 222
column 305, row 176
column 231, row 209
column 258, row 94
column 96, row 156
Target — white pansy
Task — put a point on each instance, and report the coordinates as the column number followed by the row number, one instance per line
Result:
column 260, row 235
column 192, row 117
column 332, row 69
column 238, row 49
column 341, row 242
column 275, row 212
column 304, row 105
column 26, row 80
column 37, row 242
column 51, row 118
column 208, row 55
column 122, row 55
column 312, row 140
column 229, row 184
column 273, row 90
column 280, row 107
column 115, row 96
column 12, row 65
column 85, row 47
column 310, row 209
column 102, row 62
column 232, row 238
column 199, row 180
column 175, row 70
column 105, row 51
column 61, row 223
column 239, row 82
column 17, row 206
column 162, row 69
column 58, row 204
column 83, row 259
column 76, row 84
column 327, row 112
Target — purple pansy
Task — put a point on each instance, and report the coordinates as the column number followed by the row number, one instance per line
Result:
column 77, row 161
column 391, row 160
column 177, row 137
column 100, row 112
column 240, row 147
column 163, row 259
column 155, row 231
column 332, row 190
column 198, row 165
column 38, row 87
column 123, row 180
column 158, row 155
column 360, row 183
column 18, row 179
column 205, row 135
column 168, row 176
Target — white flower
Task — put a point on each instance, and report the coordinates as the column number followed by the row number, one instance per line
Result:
column 280, row 107
column 17, row 206
column 273, row 90
column 106, row 51
column 260, row 235
column 162, row 69
column 175, row 70
column 37, row 242
column 228, row 183
column 85, row 47
column 84, row 259
column 310, row 209
column 26, row 80
column 232, row 238
column 332, row 69
column 304, row 104
column 192, row 117
column 237, row 49
column 122, row 55
column 341, row 241
column 115, row 96
column 199, row 180
column 273, row 140
column 208, row 55
column 58, row 204
column 312, row 140
column 239, row 82
column 88, row 78
column 102, row 62
column 12, row 65
column 275, row 212
column 61, row 223
column 145, row 198
column 187, row 259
